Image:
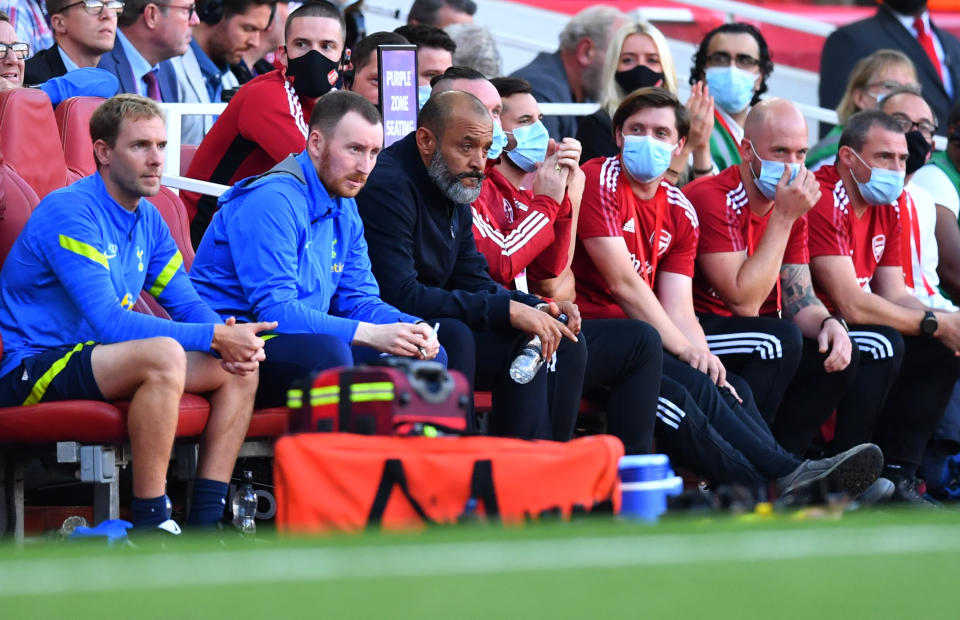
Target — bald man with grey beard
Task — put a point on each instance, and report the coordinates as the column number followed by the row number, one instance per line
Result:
column 416, row 213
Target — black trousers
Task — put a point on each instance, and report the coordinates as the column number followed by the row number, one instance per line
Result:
column 765, row 351
column 624, row 363
column 880, row 350
column 529, row 411
column 812, row 397
column 916, row 400
column 704, row 428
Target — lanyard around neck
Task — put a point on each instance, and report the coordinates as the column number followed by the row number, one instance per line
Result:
column 912, row 227
column 633, row 205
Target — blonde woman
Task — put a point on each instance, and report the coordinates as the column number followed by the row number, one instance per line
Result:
column 638, row 56
column 872, row 79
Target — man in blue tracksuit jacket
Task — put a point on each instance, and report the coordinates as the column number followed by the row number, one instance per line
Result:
column 288, row 246
column 67, row 290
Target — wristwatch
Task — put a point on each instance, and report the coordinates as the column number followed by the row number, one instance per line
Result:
column 838, row 319
column 928, row 326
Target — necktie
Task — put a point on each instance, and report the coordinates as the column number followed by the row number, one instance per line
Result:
column 153, row 88
column 926, row 42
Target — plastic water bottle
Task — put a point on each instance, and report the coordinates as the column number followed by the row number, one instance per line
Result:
column 245, row 506
column 528, row 362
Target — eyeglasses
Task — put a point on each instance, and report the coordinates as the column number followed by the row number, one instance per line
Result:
column 95, row 7
column 906, row 124
column 723, row 59
column 190, row 9
column 20, row 50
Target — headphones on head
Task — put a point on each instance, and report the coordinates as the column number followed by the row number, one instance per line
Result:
column 210, row 12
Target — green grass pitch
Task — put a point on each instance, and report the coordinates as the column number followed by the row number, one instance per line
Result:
column 885, row 564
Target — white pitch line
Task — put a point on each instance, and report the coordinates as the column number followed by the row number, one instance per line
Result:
column 129, row 569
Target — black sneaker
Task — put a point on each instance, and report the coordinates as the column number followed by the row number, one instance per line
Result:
column 906, row 491
column 849, row 472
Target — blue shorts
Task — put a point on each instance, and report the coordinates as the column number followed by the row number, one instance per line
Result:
column 58, row 374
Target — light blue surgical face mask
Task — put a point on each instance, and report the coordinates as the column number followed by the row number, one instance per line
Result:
column 770, row 174
column 531, row 149
column 731, row 87
column 423, row 93
column 645, row 157
column 883, row 187
column 499, row 141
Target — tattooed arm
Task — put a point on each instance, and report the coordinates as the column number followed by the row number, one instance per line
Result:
column 801, row 304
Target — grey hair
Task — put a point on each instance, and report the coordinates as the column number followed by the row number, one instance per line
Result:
column 476, row 48
column 593, row 23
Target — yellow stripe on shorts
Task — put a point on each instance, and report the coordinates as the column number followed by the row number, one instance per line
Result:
column 40, row 387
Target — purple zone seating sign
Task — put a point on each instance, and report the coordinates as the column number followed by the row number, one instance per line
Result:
column 398, row 91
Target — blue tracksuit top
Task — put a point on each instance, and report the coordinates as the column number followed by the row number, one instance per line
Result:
column 280, row 248
column 78, row 267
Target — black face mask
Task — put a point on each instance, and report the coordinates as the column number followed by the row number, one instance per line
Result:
column 918, row 149
column 313, row 74
column 906, row 7
column 638, row 77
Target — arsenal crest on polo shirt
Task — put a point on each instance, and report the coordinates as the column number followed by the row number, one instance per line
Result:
column 665, row 238
column 879, row 242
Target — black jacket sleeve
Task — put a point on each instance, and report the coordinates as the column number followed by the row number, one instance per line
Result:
column 595, row 134
column 389, row 207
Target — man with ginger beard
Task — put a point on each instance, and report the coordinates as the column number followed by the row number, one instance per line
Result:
column 289, row 243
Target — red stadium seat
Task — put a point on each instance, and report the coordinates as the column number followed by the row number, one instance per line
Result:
column 175, row 215
column 30, row 139
column 88, row 421
column 146, row 304
column 17, row 201
column 272, row 422
column 69, row 420
column 73, row 122
column 194, row 413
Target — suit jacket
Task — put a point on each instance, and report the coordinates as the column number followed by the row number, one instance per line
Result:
column 115, row 61
column 548, row 80
column 193, row 89
column 43, row 65
column 848, row 44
